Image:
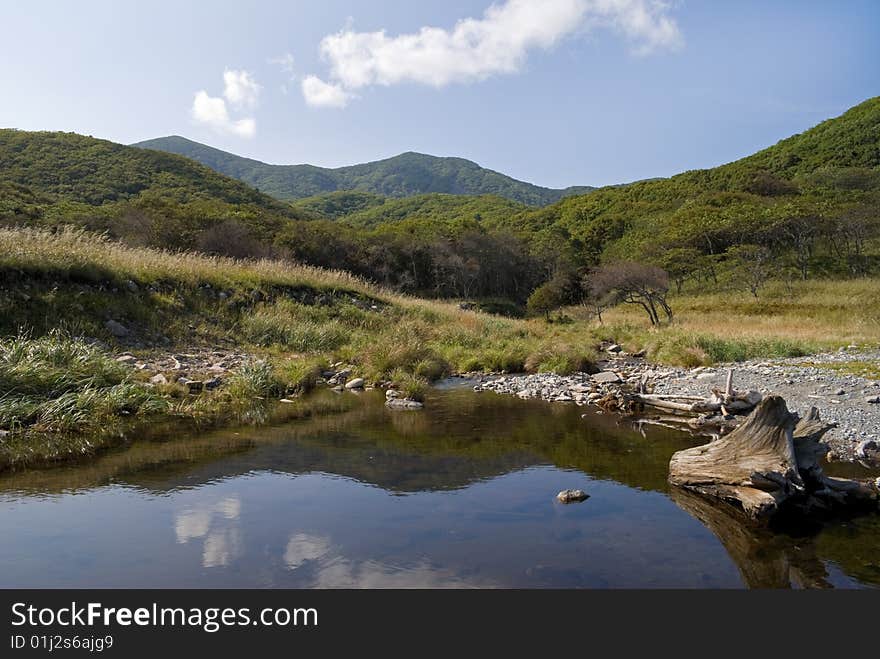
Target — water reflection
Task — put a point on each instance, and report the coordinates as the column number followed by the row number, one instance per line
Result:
column 460, row 495
column 217, row 527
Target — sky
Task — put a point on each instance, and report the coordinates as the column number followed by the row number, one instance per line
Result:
column 555, row 92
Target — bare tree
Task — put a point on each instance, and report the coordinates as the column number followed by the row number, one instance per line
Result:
column 633, row 283
column 752, row 265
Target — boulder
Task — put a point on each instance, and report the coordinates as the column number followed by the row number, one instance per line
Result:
column 158, row 379
column 606, row 377
column 356, row 383
column 613, row 348
column 116, row 328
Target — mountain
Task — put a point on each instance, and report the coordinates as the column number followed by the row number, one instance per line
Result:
column 401, row 176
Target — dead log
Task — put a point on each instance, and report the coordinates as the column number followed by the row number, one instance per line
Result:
column 770, row 459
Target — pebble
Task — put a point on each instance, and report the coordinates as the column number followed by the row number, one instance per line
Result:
column 572, row 496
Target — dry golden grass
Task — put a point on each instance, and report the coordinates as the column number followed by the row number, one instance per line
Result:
column 822, row 313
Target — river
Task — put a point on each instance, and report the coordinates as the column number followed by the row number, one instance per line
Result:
column 461, row 494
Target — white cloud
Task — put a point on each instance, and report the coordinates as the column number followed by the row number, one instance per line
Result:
column 241, row 92
column 475, row 49
column 322, row 94
column 240, row 89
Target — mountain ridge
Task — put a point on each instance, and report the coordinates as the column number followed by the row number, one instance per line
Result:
column 404, row 175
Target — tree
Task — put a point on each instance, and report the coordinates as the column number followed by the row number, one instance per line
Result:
column 681, row 263
column 634, row 283
column 546, row 298
column 752, row 265
column 596, row 303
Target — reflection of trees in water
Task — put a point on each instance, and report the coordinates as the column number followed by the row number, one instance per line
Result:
column 461, row 438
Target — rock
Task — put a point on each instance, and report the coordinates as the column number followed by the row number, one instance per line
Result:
column 356, row 383
column 4, row 433
column 158, row 379
column 131, row 286
column 839, row 392
column 613, row 348
column 606, row 377
column 705, row 376
column 572, row 496
column 338, row 389
column 195, row 386
column 392, row 393
column 403, row 404
column 213, row 383
column 286, row 401
column 126, row 359
column 873, row 400
column 116, row 329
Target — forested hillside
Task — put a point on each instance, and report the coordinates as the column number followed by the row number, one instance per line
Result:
column 401, row 176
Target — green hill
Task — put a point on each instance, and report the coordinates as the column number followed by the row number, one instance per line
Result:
column 63, row 178
column 401, row 176
column 819, row 188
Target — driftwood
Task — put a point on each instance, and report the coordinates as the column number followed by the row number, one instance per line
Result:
column 770, row 460
column 720, row 405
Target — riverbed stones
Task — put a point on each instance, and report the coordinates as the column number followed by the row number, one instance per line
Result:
column 572, row 496
column 606, row 377
column 356, row 383
column 159, row 379
column 613, row 349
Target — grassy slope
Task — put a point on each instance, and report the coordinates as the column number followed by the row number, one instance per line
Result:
column 403, row 175
column 297, row 316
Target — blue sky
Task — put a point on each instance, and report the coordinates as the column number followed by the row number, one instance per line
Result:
column 557, row 92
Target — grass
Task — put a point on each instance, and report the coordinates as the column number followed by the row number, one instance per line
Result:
column 785, row 321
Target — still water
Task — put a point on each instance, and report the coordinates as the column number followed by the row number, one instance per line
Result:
column 461, row 494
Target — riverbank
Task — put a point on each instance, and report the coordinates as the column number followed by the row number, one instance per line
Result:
column 95, row 334
column 844, row 386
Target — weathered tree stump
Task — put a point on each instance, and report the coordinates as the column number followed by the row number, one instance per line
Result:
column 769, row 460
